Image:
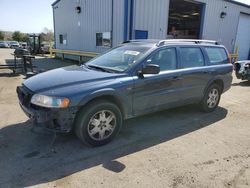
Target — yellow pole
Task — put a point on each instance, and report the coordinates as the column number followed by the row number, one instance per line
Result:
column 237, row 53
column 50, row 49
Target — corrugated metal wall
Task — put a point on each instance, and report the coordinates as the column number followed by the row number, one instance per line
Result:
column 243, row 37
column 222, row 30
column 153, row 16
column 81, row 29
column 66, row 22
column 118, row 22
column 92, row 24
column 150, row 15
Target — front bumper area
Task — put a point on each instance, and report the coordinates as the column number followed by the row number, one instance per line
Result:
column 243, row 76
column 57, row 120
column 54, row 120
column 242, row 70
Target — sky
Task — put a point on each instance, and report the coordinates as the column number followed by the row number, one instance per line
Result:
column 31, row 16
column 28, row 16
column 244, row 1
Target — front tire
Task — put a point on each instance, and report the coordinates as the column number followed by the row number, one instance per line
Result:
column 98, row 123
column 211, row 98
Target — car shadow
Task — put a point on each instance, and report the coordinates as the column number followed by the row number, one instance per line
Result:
column 243, row 84
column 31, row 156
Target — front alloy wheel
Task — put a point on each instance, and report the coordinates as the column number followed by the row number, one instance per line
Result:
column 101, row 125
column 98, row 123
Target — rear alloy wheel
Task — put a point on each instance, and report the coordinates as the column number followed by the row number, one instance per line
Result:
column 98, row 123
column 211, row 98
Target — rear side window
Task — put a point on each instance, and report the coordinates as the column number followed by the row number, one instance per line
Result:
column 216, row 55
column 191, row 57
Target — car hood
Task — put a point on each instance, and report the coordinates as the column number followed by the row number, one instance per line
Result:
column 67, row 76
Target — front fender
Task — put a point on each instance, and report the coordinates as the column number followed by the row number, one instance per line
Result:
column 123, row 100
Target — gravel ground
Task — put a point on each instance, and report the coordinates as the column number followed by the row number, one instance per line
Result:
column 175, row 148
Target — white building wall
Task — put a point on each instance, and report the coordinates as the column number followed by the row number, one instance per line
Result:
column 153, row 16
column 222, row 30
column 81, row 29
column 95, row 18
column 150, row 15
column 243, row 37
column 118, row 22
column 66, row 23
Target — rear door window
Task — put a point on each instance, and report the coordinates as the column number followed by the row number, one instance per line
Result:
column 216, row 55
column 191, row 57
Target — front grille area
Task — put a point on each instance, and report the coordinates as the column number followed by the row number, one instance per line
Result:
column 24, row 96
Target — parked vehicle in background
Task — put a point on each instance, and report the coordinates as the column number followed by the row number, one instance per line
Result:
column 8, row 42
column 242, row 69
column 24, row 45
column 4, row 44
column 45, row 47
column 133, row 79
column 14, row 44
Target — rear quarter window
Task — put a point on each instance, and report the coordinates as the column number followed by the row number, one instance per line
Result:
column 216, row 55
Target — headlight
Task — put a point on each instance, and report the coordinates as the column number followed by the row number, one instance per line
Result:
column 51, row 102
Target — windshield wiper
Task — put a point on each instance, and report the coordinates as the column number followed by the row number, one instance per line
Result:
column 100, row 68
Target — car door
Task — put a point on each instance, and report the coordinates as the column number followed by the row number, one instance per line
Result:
column 154, row 92
column 194, row 72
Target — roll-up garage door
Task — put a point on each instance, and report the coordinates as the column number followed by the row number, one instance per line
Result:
column 243, row 37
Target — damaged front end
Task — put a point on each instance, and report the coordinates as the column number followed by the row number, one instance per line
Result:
column 242, row 70
column 57, row 120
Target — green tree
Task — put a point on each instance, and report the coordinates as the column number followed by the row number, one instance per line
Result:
column 1, row 35
column 47, row 35
column 25, row 38
column 17, row 35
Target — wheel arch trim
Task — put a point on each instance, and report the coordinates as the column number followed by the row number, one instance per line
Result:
column 217, row 80
column 111, row 95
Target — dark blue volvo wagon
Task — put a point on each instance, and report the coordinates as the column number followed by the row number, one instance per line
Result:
column 132, row 79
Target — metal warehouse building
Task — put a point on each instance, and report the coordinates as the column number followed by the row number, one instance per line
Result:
column 97, row 25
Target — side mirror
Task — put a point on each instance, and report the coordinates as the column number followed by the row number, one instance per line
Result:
column 150, row 69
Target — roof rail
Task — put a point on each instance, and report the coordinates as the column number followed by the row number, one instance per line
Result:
column 127, row 41
column 196, row 41
column 141, row 40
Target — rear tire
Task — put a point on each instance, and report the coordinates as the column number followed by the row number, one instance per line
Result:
column 211, row 98
column 98, row 123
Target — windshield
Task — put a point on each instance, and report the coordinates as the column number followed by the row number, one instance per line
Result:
column 118, row 59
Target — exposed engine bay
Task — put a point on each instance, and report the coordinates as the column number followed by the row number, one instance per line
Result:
column 242, row 69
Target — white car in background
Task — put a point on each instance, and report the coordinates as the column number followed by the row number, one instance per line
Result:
column 24, row 45
column 4, row 44
column 14, row 44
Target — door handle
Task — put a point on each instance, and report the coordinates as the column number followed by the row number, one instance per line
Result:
column 209, row 72
column 176, row 78
column 206, row 72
